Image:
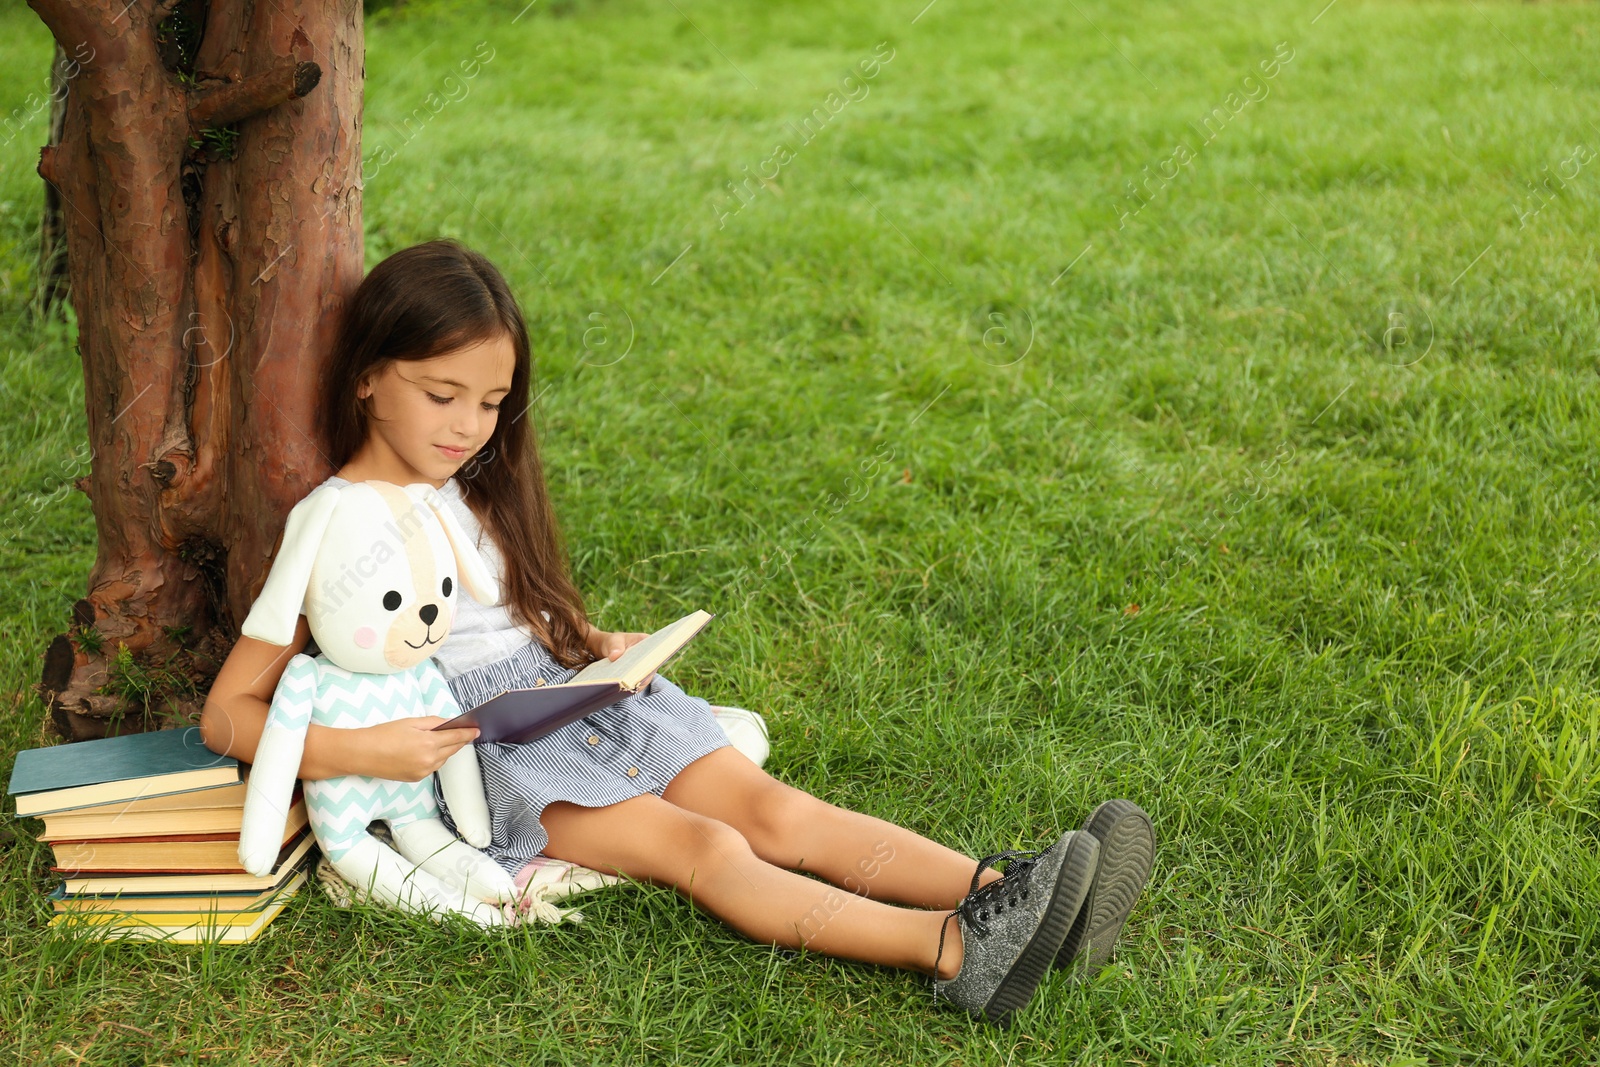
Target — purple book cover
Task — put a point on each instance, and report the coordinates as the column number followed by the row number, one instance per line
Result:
column 518, row 716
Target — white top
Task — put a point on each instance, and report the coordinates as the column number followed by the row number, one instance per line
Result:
column 480, row 634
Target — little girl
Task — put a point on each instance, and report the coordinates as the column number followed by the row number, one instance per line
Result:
column 430, row 382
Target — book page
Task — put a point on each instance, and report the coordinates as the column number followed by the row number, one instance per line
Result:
column 644, row 658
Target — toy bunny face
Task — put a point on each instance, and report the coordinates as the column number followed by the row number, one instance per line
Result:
column 376, row 570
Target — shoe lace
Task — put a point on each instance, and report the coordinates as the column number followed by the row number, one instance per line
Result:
column 985, row 902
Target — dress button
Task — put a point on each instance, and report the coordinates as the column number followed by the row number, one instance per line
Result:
column 594, row 739
column 633, row 772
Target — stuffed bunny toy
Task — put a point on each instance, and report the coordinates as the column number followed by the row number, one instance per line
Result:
column 374, row 568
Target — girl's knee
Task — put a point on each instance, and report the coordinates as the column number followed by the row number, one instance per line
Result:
column 646, row 838
column 701, row 848
column 709, row 840
column 681, row 849
column 778, row 816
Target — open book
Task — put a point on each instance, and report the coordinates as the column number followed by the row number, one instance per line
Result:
column 517, row 716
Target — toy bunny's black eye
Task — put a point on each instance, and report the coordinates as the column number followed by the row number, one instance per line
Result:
column 448, row 585
column 391, row 600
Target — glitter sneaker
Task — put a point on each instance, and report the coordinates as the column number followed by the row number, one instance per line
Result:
column 1011, row 928
column 1127, row 852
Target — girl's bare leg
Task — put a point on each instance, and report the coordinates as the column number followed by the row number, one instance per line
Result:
column 790, row 828
column 650, row 839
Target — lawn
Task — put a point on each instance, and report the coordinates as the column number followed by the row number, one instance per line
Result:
column 1194, row 402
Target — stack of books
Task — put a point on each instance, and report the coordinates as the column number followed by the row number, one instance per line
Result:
column 145, row 832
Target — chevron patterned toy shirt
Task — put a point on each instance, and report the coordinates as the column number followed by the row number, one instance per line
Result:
column 341, row 808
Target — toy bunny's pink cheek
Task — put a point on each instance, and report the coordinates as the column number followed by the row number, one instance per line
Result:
column 366, row 637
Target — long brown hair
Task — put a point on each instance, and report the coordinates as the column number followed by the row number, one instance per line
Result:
column 425, row 301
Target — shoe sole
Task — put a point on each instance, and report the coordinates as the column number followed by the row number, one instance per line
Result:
column 1067, row 899
column 1127, row 854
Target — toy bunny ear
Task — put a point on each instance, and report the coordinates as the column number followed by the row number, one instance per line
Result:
column 470, row 565
column 276, row 611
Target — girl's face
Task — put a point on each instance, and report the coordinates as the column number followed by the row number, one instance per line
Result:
column 430, row 416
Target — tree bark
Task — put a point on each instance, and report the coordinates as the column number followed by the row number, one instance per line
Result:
column 209, row 172
column 52, row 287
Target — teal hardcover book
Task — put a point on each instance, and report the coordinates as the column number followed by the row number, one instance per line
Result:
column 114, row 769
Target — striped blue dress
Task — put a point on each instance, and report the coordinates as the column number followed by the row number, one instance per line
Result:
column 636, row 746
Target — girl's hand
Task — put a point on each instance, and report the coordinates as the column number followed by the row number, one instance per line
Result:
column 612, row 645
column 409, row 750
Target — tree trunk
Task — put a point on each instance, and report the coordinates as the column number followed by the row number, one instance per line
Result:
column 209, row 171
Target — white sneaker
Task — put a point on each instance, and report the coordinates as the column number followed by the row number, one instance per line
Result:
column 746, row 729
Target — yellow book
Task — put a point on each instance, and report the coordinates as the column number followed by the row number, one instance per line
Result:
column 135, row 900
column 219, row 809
column 126, row 903
column 194, row 928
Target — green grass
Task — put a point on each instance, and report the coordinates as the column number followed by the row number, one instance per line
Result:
column 1324, row 607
